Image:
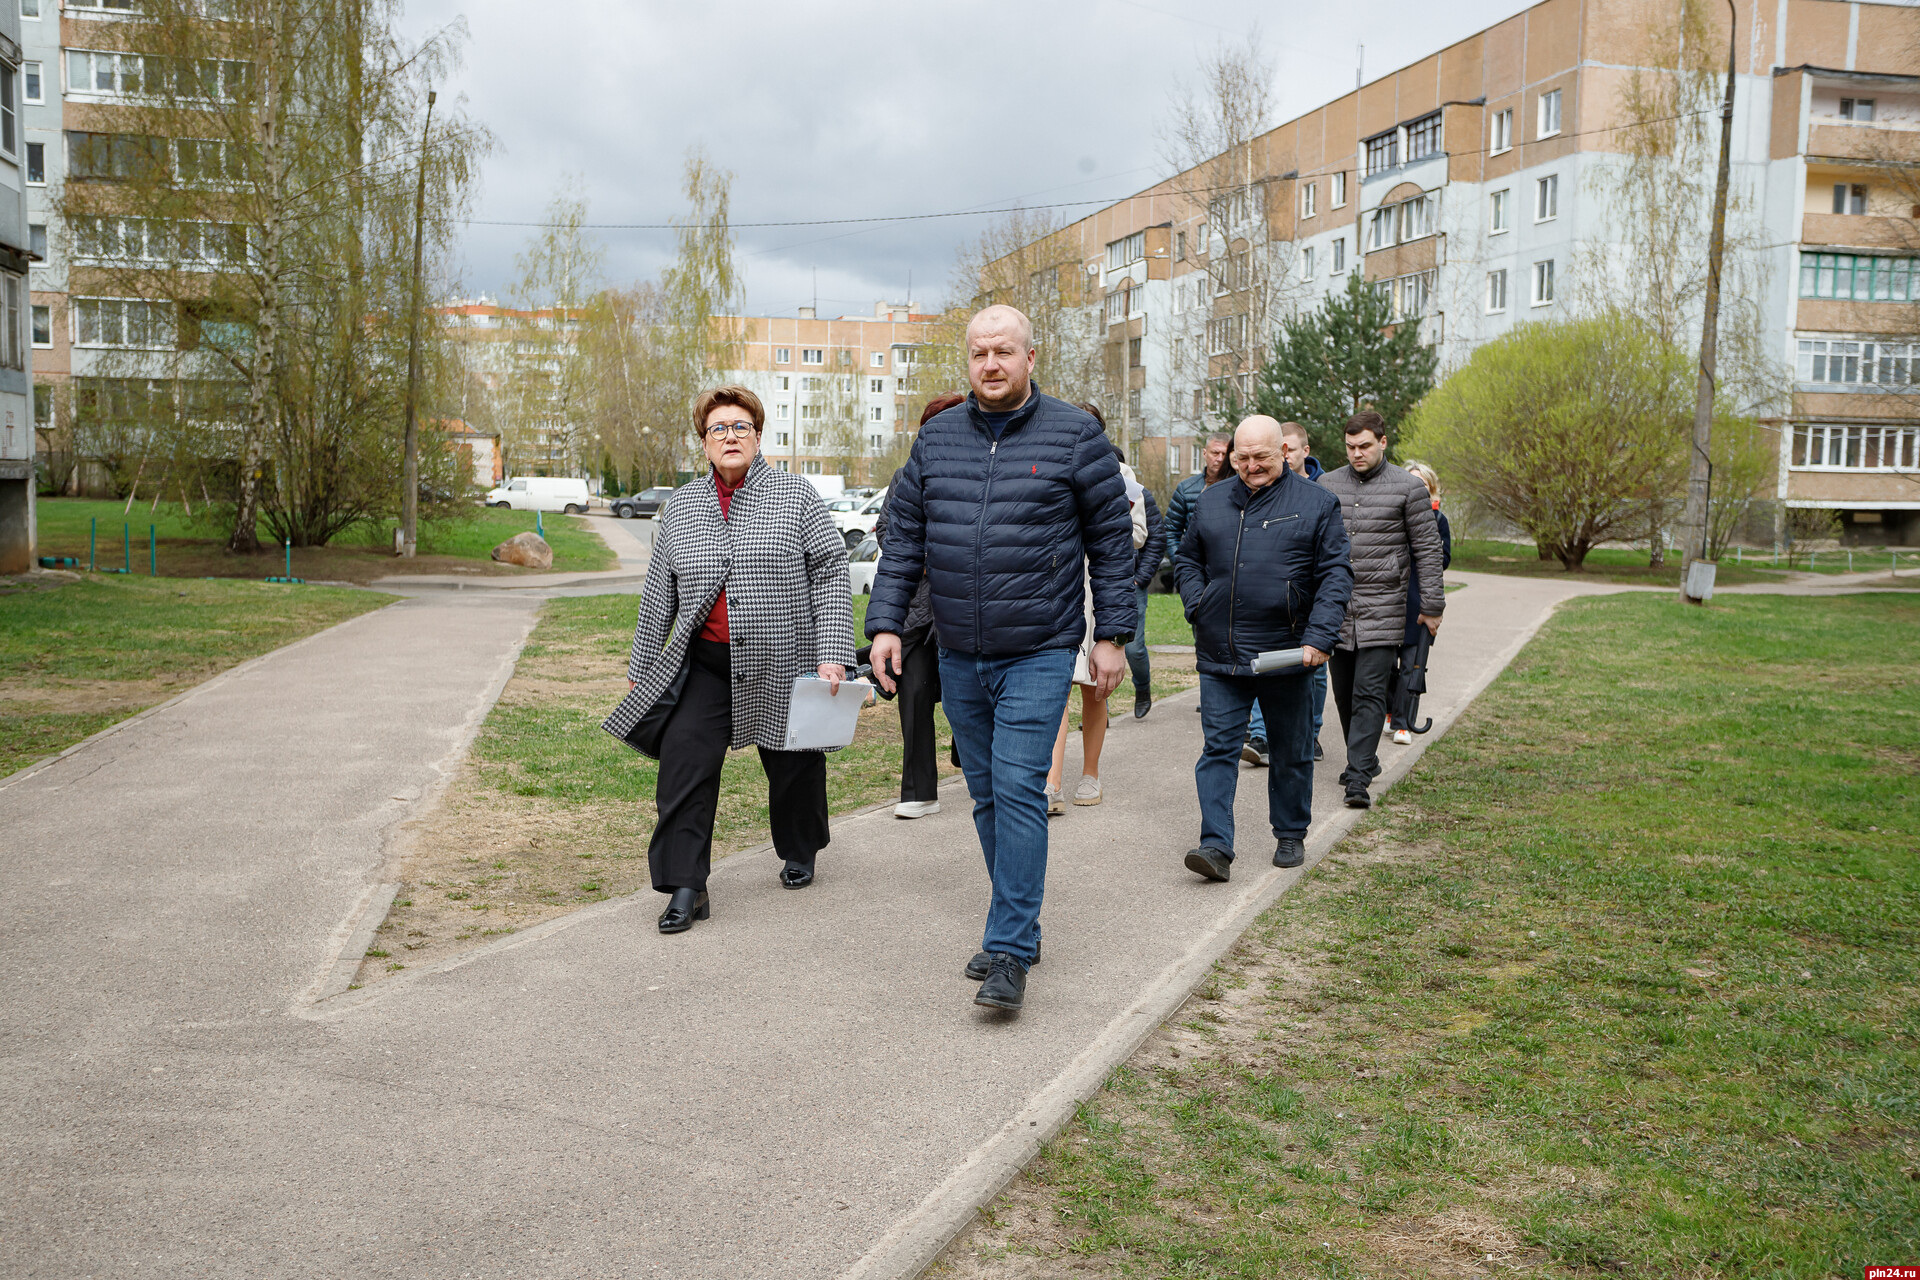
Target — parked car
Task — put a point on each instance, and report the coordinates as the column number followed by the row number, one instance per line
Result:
column 858, row 523
column 862, row 563
column 640, row 505
column 542, row 493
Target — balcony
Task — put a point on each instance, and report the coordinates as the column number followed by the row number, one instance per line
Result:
column 1873, row 144
column 1859, row 231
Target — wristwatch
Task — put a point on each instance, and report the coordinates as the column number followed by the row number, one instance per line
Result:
column 1123, row 639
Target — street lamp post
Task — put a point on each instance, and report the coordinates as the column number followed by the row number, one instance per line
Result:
column 1700, row 466
column 410, row 471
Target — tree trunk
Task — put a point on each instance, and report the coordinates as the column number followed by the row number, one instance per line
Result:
column 246, row 537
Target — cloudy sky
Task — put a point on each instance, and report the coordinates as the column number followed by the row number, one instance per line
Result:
column 849, row 110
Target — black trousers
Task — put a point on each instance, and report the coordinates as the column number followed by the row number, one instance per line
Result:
column 1362, row 682
column 919, row 694
column 687, row 791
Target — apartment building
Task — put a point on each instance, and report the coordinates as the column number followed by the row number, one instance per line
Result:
column 17, row 486
column 497, row 342
column 839, row 393
column 1469, row 186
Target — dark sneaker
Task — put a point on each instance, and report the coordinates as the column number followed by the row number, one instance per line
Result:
column 1357, row 798
column 1214, row 864
column 1005, row 986
column 1290, row 852
column 1255, row 752
column 1319, row 752
column 983, row 961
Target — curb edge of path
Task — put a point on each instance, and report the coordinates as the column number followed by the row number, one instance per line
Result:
column 916, row 1242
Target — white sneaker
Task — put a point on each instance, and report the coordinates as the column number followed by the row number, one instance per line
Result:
column 1056, row 804
column 1402, row 738
column 916, row 808
column 1088, row 792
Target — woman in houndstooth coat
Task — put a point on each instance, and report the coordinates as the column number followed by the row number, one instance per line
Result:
column 747, row 588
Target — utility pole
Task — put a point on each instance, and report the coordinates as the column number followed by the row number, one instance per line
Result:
column 1700, row 468
column 410, row 494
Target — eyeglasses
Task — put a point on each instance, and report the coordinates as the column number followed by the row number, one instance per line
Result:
column 730, row 429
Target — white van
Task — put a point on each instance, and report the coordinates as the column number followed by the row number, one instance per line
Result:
column 542, row 493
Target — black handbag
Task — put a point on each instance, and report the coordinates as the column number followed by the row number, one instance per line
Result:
column 646, row 736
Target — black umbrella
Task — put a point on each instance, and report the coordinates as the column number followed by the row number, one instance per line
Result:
column 1413, row 678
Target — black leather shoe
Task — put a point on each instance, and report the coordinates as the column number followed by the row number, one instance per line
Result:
column 982, row 962
column 1214, row 864
column 1357, row 798
column 795, row 875
column 1005, row 986
column 683, row 908
column 1290, row 852
column 1142, row 703
column 1319, row 752
column 953, row 752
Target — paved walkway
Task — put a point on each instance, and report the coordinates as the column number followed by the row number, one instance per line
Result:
column 800, row 1087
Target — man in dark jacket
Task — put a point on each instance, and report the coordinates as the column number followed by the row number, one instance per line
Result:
column 1389, row 517
column 1188, row 491
column 1008, row 502
column 1263, row 567
column 1146, row 563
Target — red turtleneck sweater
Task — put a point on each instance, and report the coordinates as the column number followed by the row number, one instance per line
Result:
column 716, row 628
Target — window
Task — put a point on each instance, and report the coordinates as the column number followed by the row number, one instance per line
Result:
column 122, row 322
column 811, row 439
column 1860, row 109
column 114, row 157
column 780, row 411
column 1225, row 334
column 782, row 355
column 1857, row 276
column 876, row 413
column 846, row 356
column 902, row 356
column 810, row 468
column 1306, row 263
column 1133, row 404
column 878, row 360
column 1308, row 193
column 1423, row 138
column 812, row 355
column 1864, row 363
column 1502, row 131
column 1126, row 251
column 1199, row 411
column 1496, row 292
column 1383, row 152
column 1339, row 254
column 43, row 406
column 92, row 71
column 1340, row 189
column 36, row 164
column 32, row 82
column 1133, row 353
column 9, row 114
column 1543, row 283
column 1117, row 303
column 782, row 437
column 810, row 411
column 1180, row 246
column 1418, row 215
column 786, row 383
column 1855, row 447
column 30, row 8
column 876, row 443
column 1381, row 224
column 159, row 240
column 779, row 464
column 43, row 326
column 1546, row 199
column 37, row 240
column 877, row 386
column 1849, row 197
column 1497, row 213
column 1549, row 114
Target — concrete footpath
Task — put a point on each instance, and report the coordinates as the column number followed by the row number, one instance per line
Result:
column 800, row 1087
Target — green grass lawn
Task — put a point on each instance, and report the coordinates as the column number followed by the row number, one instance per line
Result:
column 79, row 657
column 191, row 548
column 1621, row 980
column 1609, row 564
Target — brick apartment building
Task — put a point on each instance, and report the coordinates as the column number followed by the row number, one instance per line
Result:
column 1464, row 186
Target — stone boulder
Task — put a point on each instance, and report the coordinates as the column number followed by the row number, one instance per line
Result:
column 529, row 549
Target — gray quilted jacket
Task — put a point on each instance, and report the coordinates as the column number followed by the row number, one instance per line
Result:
column 1390, row 525
column 789, row 602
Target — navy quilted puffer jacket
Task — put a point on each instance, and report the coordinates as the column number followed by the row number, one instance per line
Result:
column 1001, row 528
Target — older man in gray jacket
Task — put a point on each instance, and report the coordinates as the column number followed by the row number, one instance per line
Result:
column 1390, row 523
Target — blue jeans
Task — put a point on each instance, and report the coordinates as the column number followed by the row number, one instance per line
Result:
column 1225, row 705
column 1005, row 712
column 1257, row 726
column 1137, row 664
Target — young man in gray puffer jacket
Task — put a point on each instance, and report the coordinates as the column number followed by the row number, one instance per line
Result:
column 1390, row 524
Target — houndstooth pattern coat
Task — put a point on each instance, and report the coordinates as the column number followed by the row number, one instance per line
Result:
column 789, row 600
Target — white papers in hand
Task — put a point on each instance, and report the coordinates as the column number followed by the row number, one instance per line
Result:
column 817, row 718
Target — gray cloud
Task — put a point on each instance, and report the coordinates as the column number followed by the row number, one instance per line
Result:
column 853, row 110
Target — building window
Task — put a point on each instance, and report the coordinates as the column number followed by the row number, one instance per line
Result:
column 812, row 382
column 32, row 83
column 877, row 412
column 1199, row 412
column 1862, row 363
column 36, row 164
column 810, row 411
column 781, row 355
column 42, row 326
column 1133, row 405
column 1497, row 213
column 1417, row 216
column 780, row 411
column 1502, row 131
column 122, row 322
column 846, row 356
column 1860, row 109
column 1133, row 352
column 1380, row 228
column 1339, row 192
column 812, row 355
column 37, row 240
column 1308, row 193
column 811, row 439
column 9, row 116
column 1546, row 199
column 1855, row 447
column 1859, row 277
column 1543, row 283
column 878, row 360
column 1126, row 251
column 1339, row 254
column 43, row 406
column 810, row 468
column 1383, row 152
column 899, row 412
column 1549, row 114
column 1306, row 263
column 902, row 356
column 876, row 443
column 877, row 386
column 114, row 157
column 1423, row 138
column 1117, row 303
column 786, row 382
column 781, row 437
column 1225, row 334
column 1180, row 246
column 31, row 8
column 779, row 464
column 1849, row 197
column 1496, row 292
